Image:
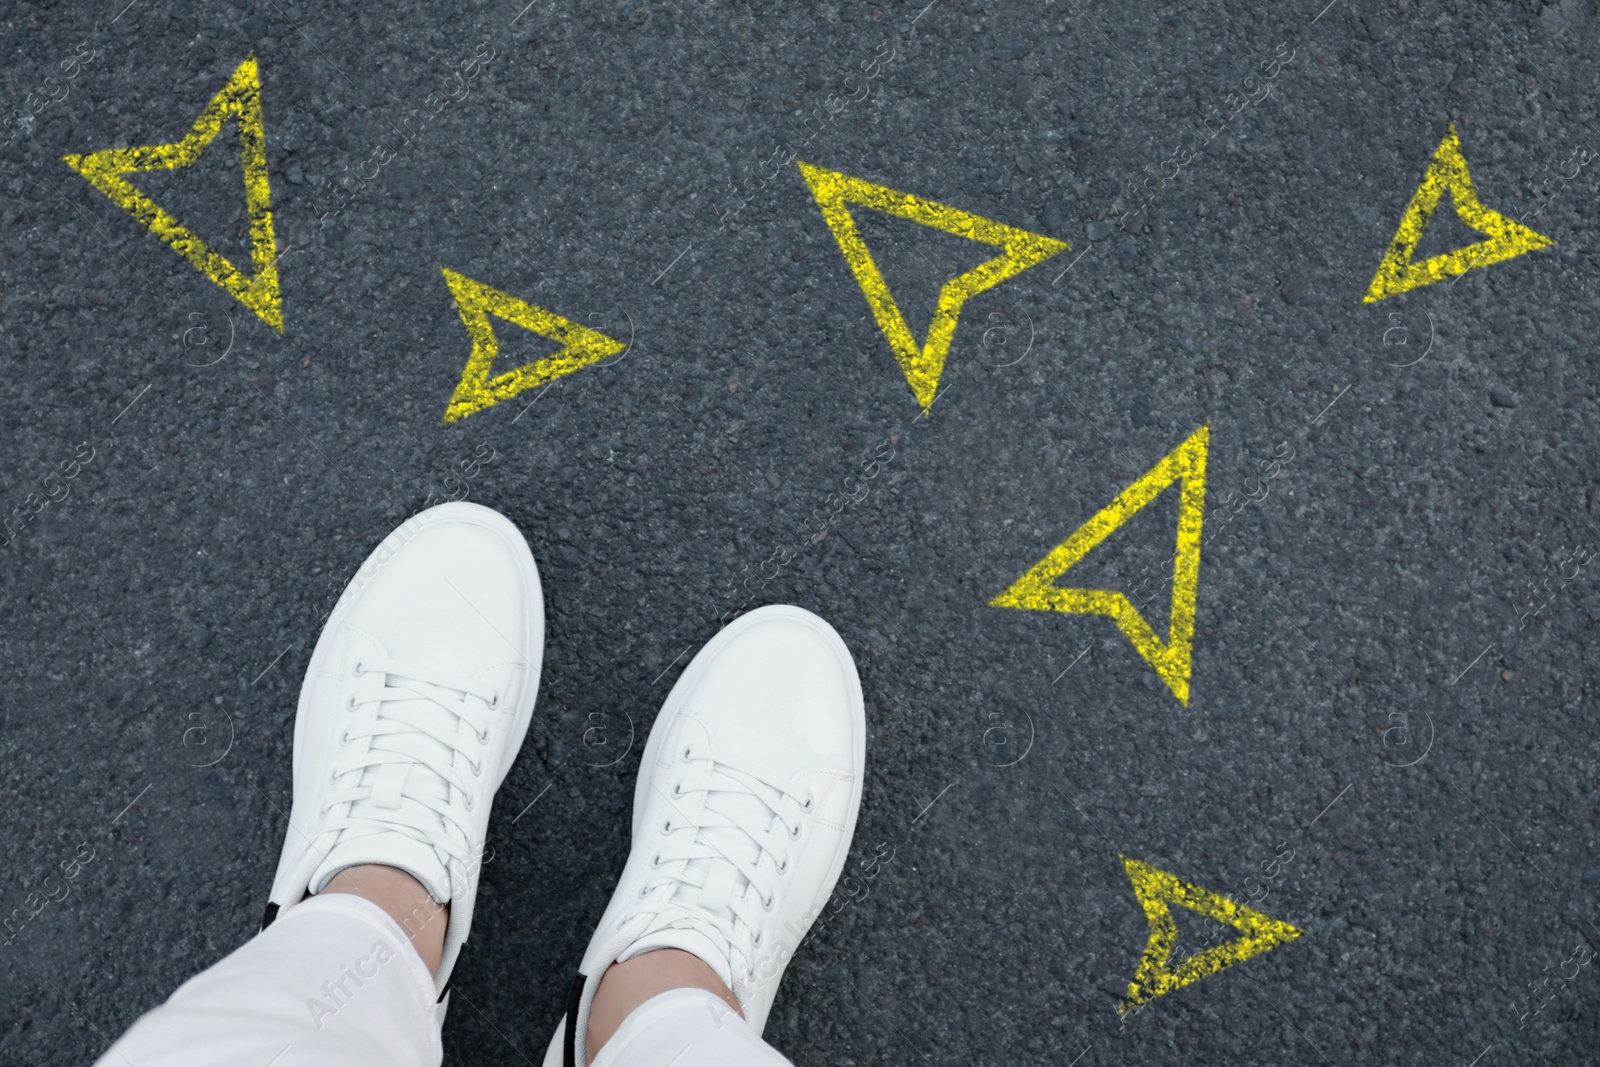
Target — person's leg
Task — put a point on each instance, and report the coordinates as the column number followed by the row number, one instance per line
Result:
column 667, row 1008
column 415, row 702
column 333, row 981
column 626, row 987
column 746, row 802
column 686, row 1028
column 404, row 900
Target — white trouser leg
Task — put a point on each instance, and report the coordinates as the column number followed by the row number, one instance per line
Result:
column 686, row 1028
column 332, row 983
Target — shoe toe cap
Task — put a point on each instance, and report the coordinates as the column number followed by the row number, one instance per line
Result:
column 789, row 670
column 459, row 587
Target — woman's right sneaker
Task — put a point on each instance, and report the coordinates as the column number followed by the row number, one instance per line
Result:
column 742, row 816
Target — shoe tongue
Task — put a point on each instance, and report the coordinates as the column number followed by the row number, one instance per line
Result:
column 391, row 839
column 722, row 879
column 419, row 779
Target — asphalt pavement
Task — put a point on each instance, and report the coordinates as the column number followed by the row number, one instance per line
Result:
column 1379, row 736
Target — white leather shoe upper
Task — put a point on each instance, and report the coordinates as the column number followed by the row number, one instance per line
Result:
column 743, row 812
column 415, row 703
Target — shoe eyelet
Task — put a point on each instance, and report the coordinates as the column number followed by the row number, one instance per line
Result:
column 807, row 805
column 686, row 754
column 766, row 905
column 360, row 668
column 644, row 891
column 756, row 941
column 666, row 827
column 783, row 868
column 794, row 835
column 469, row 805
column 344, row 738
column 494, row 701
column 483, row 738
column 477, row 769
column 677, row 791
column 350, row 705
column 655, row 861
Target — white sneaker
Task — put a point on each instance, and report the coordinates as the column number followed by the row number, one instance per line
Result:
column 742, row 815
column 414, row 705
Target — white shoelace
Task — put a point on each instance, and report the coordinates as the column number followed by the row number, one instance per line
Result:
column 430, row 736
column 717, row 872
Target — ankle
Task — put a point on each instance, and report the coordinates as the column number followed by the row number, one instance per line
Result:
column 626, row 986
column 405, row 901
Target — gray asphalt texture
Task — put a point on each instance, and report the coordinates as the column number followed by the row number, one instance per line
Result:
column 1393, row 661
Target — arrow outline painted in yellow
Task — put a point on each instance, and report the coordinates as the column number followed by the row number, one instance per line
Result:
column 1155, row 977
column 921, row 364
column 476, row 302
column 239, row 99
column 1505, row 238
column 1036, row 590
